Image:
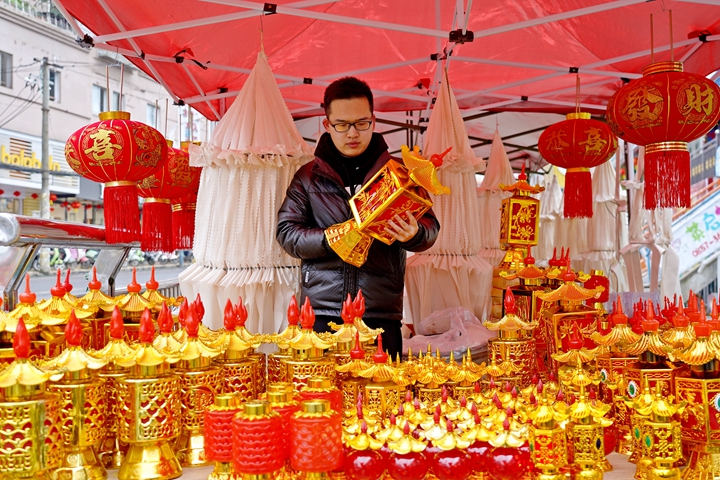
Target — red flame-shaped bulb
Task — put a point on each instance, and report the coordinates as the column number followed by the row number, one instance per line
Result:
column 348, row 312
column 117, row 326
column 192, row 323
column 27, row 297
column 650, row 324
column 307, row 315
column 133, row 286
column 164, row 320
column 380, row 356
column 357, row 353
column 67, row 285
column 152, row 284
column 229, row 318
column 21, row 340
column 94, row 284
column 199, row 308
column 147, row 329
column 359, row 304
column 293, row 312
column 182, row 312
column 73, row 331
column 241, row 313
column 58, row 290
column 510, row 307
column 575, row 341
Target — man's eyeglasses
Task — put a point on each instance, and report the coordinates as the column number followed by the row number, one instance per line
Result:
column 360, row 126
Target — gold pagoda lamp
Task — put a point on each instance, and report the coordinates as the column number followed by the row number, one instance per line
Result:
column 353, row 385
column 382, row 394
column 111, row 450
column 345, row 335
column 576, row 352
column 199, row 382
column 585, row 430
column 514, row 343
column 239, row 373
column 150, row 411
column 637, row 404
column 276, row 372
column 258, row 357
column 611, row 366
column 103, row 306
column 151, row 293
column 28, row 311
column 166, row 342
column 548, row 445
column 661, row 437
column 430, row 375
column 307, row 351
column 31, row 442
column 132, row 304
column 700, row 388
column 83, row 412
column 566, row 305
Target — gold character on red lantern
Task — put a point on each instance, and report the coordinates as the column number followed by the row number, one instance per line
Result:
column 556, row 142
column 595, row 142
column 638, row 105
column 699, row 101
column 102, row 150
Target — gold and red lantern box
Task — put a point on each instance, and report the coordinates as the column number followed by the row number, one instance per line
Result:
column 519, row 221
column 390, row 192
column 611, row 372
column 558, row 326
column 700, row 422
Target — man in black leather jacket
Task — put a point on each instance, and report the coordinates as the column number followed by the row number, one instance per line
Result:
column 346, row 157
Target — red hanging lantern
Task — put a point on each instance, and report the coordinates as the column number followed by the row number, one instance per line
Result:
column 88, row 207
column 34, row 196
column 662, row 111
column 65, row 204
column 53, row 197
column 577, row 144
column 16, row 193
column 2, row 192
column 183, row 213
column 118, row 152
column 176, row 179
column 76, row 205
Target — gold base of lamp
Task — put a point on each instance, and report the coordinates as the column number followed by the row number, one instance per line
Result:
column 150, row 461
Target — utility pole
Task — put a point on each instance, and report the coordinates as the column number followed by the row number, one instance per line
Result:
column 45, row 175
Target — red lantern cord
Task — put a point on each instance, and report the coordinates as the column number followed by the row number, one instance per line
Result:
column 255, row 448
column 218, row 435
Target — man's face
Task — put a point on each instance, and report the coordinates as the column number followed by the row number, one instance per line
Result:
column 342, row 112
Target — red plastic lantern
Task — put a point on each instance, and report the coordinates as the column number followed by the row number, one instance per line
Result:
column 118, row 152
column 176, row 179
column 662, row 111
column 577, row 144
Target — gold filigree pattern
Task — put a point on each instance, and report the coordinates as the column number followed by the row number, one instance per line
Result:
column 150, row 408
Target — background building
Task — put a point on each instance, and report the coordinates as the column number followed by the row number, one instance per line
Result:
column 82, row 84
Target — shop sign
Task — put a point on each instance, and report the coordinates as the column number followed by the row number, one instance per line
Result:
column 702, row 165
column 22, row 159
column 697, row 235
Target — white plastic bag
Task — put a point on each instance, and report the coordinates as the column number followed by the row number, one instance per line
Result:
column 458, row 329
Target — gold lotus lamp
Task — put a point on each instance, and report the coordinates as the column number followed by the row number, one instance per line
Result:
column 307, row 351
column 149, row 432
column 30, row 428
column 511, row 326
column 151, row 293
column 682, row 334
column 509, row 437
column 650, row 347
column 620, row 336
column 27, row 310
column 638, row 402
column 83, row 411
column 392, row 432
column 276, row 372
column 240, row 373
column 200, row 381
column 407, row 443
column 111, row 451
column 382, row 394
column 132, row 304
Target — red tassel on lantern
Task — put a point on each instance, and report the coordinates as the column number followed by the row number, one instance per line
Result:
column 156, row 225
column 578, row 199
column 183, row 222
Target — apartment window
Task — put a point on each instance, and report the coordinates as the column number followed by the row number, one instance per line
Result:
column 152, row 115
column 99, row 99
column 117, row 103
column 6, row 67
column 54, row 85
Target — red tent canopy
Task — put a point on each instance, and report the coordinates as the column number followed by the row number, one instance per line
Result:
column 523, row 57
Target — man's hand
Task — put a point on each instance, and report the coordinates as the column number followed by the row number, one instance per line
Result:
column 402, row 230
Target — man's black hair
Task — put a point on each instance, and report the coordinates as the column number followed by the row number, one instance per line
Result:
column 346, row 88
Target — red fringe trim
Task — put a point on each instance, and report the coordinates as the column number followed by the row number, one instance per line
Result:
column 122, row 215
column 578, row 195
column 157, row 227
column 667, row 179
column 183, row 227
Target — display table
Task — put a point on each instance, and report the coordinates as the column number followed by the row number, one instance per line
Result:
column 622, row 470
